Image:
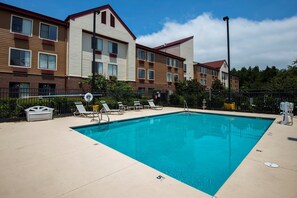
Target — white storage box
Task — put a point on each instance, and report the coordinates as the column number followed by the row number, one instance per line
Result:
column 39, row 113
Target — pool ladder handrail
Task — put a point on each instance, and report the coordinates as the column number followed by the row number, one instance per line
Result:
column 106, row 115
column 186, row 106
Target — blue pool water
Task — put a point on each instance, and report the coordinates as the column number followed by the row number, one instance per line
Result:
column 201, row 150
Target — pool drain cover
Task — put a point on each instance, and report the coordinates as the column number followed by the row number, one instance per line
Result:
column 271, row 165
column 160, row 177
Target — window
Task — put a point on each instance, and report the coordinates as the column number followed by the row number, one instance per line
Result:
column 203, row 81
column 99, row 44
column 48, row 31
column 19, row 57
column 46, row 89
column 175, row 77
column 224, row 76
column 17, row 89
column 103, row 17
column 214, row 72
column 140, row 54
column 169, row 77
column 141, row 90
column 99, row 68
column 185, row 68
column 151, row 57
column 175, row 63
column 141, row 73
column 150, row 91
column 202, row 70
column 151, row 74
column 112, row 21
column 112, row 47
column 169, row 61
column 47, row 61
column 21, row 25
column 112, row 70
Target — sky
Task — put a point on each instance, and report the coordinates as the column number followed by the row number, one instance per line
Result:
column 262, row 32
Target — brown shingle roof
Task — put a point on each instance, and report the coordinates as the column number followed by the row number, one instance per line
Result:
column 213, row 65
column 174, row 43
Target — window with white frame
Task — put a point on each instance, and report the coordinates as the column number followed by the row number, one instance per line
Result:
column 112, row 47
column 169, row 77
column 203, row 70
column 141, row 73
column 47, row 61
column 112, row 70
column 151, row 57
column 48, row 32
column 99, row 68
column 175, row 77
column 175, row 63
column 140, row 54
column 99, row 44
column 214, row 72
column 17, row 89
column 151, row 74
column 21, row 25
column 19, row 57
column 169, row 61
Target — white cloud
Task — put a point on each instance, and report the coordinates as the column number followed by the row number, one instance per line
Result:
column 262, row 43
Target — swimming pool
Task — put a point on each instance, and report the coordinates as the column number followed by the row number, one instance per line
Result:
column 199, row 149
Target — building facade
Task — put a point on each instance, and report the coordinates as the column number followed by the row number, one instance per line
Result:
column 32, row 52
column 156, row 70
column 206, row 73
column 41, row 52
column 182, row 48
column 115, row 46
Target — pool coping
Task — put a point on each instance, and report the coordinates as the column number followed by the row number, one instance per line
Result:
column 40, row 150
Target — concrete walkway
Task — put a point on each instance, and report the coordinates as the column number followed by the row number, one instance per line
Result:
column 48, row 159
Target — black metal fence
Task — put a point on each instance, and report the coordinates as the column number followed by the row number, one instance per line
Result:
column 13, row 102
column 259, row 101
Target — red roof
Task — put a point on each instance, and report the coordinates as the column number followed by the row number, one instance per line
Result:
column 213, row 65
column 174, row 43
column 79, row 14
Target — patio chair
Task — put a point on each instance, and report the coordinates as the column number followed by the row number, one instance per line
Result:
column 153, row 106
column 122, row 107
column 107, row 110
column 137, row 105
column 81, row 111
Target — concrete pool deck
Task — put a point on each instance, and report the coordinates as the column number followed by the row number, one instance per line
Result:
column 48, row 159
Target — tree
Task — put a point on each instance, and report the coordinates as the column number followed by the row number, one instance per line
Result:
column 217, row 85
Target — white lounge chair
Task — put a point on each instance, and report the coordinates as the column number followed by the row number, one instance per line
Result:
column 137, row 105
column 107, row 110
column 81, row 111
column 153, row 106
column 122, row 107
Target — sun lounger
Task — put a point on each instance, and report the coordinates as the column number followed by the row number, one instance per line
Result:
column 153, row 106
column 81, row 111
column 122, row 107
column 137, row 105
column 107, row 110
